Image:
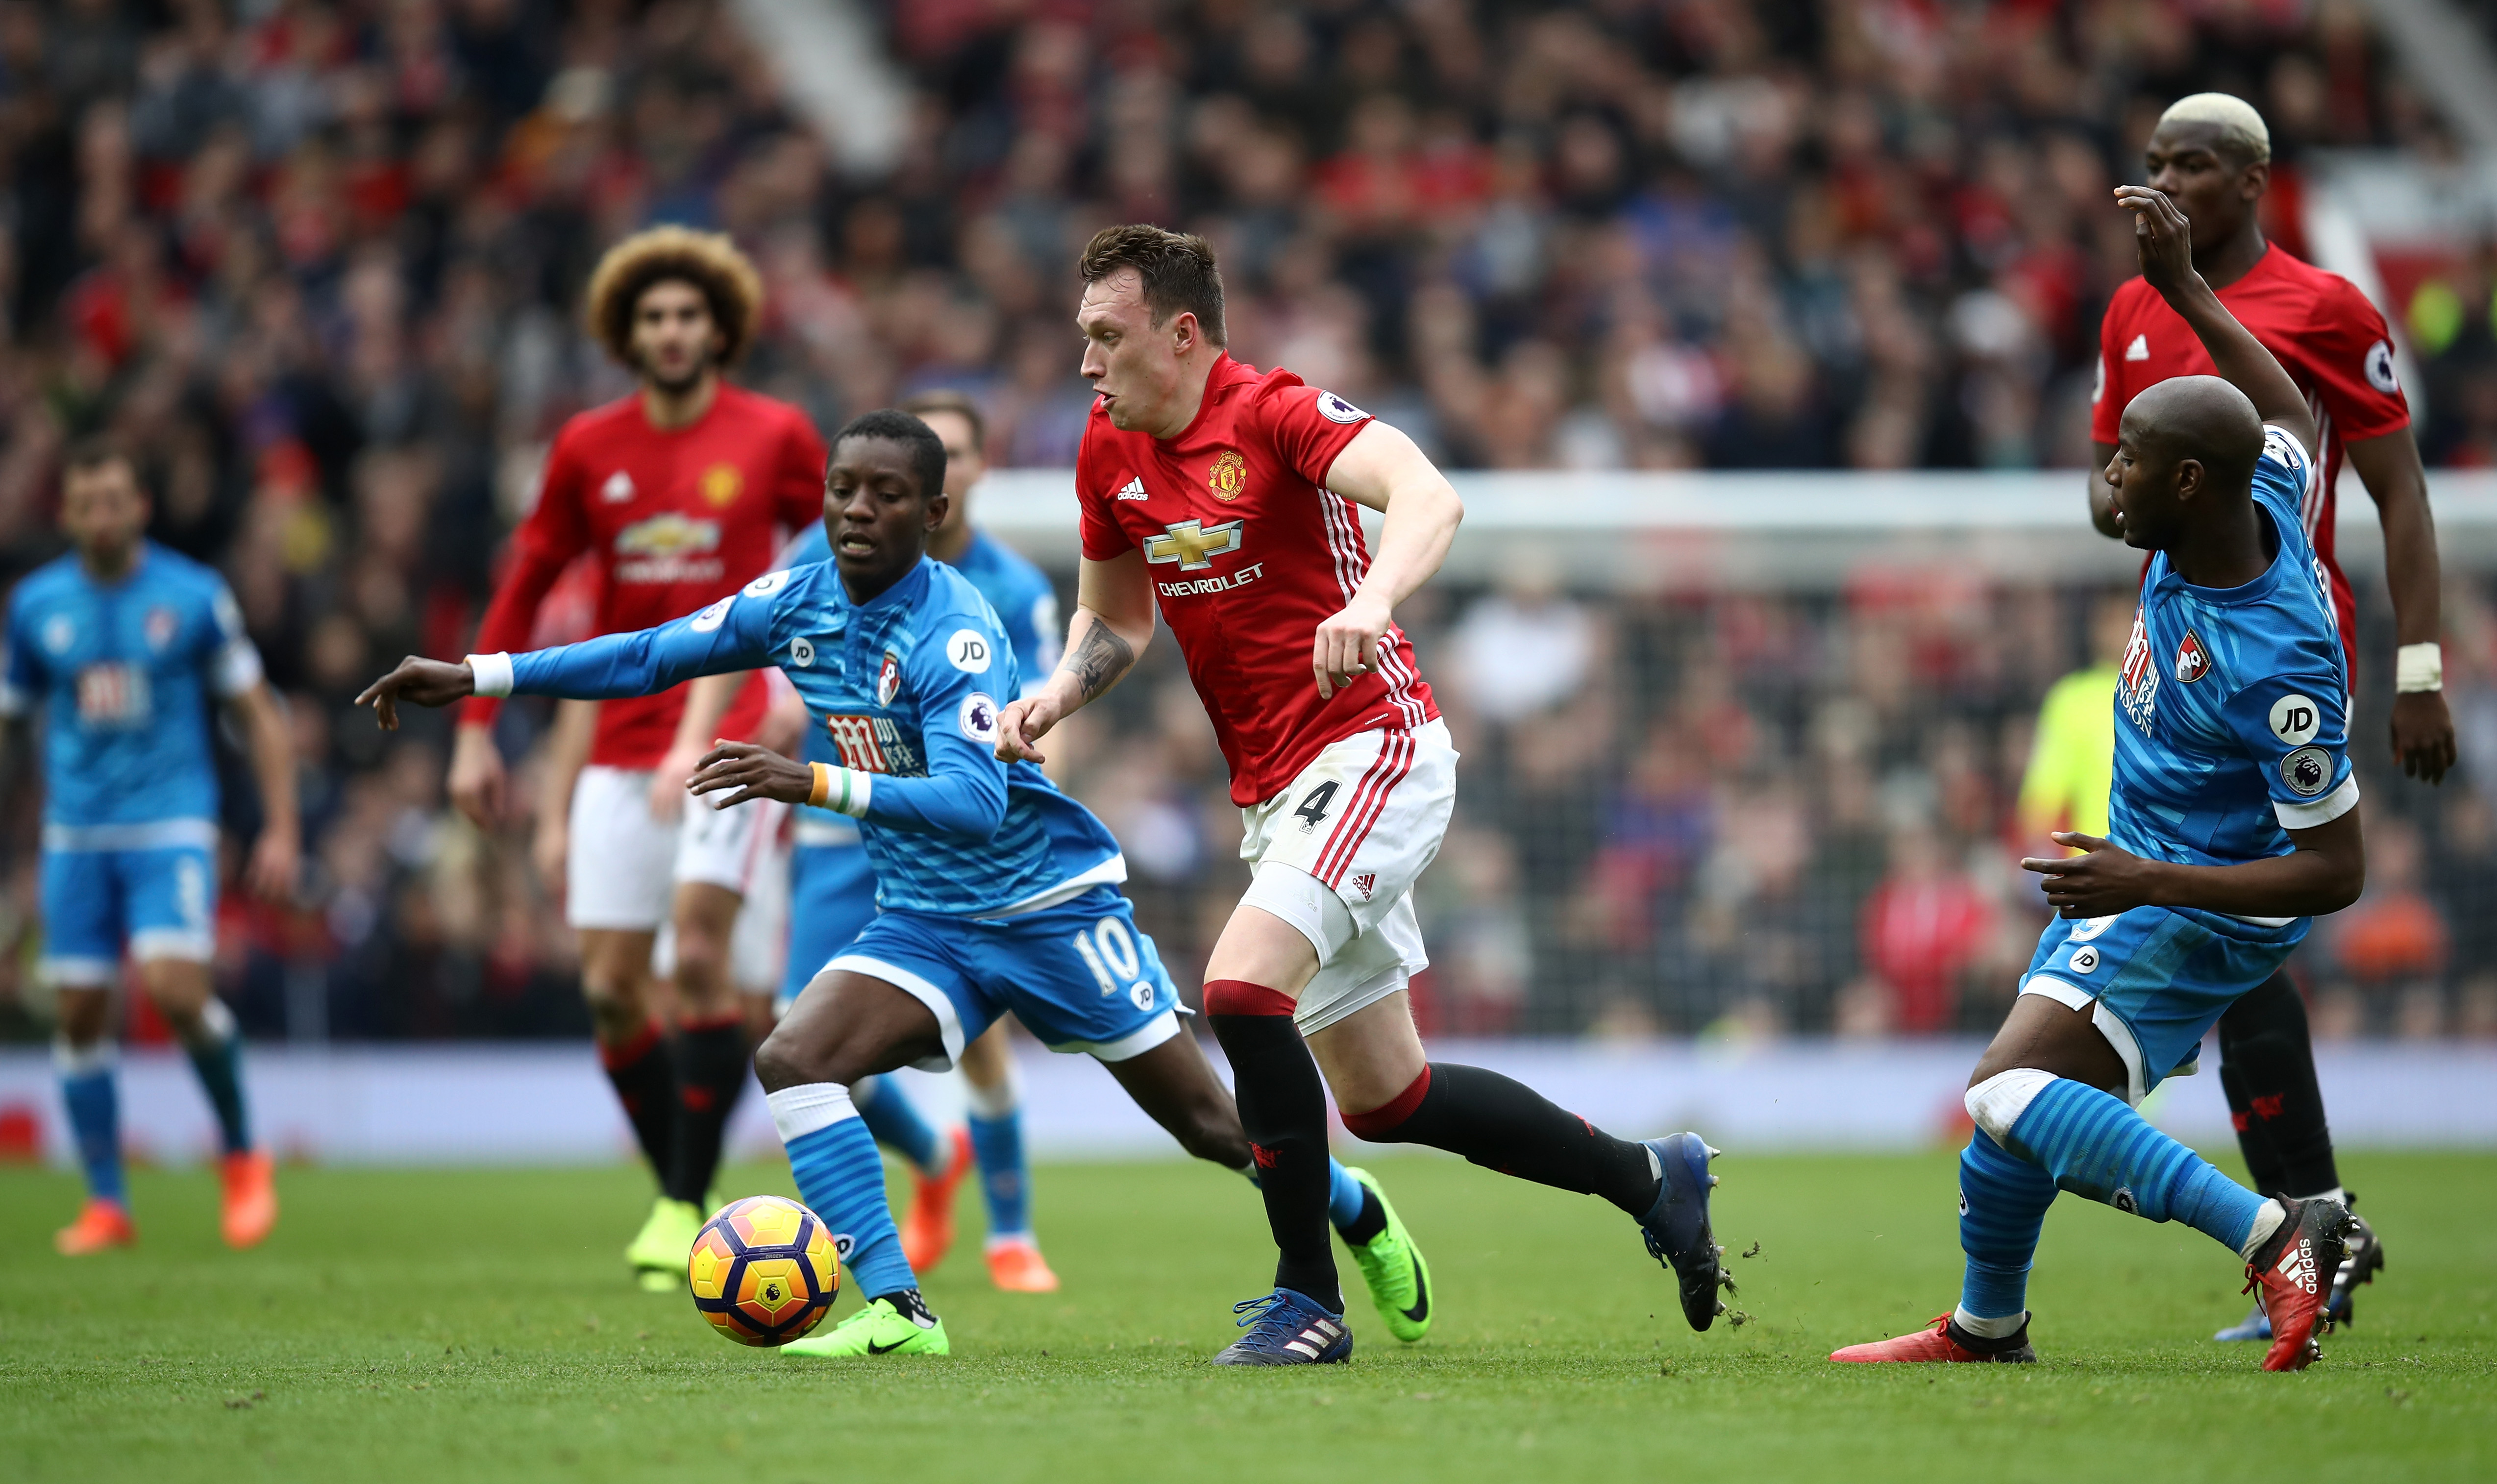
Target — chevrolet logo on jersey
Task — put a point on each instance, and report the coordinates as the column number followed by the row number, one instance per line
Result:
column 1190, row 543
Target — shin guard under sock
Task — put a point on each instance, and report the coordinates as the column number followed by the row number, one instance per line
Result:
column 711, row 1074
column 1282, row 1110
column 2003, row 1203
column 216, row 1055
column 840, row 1177
column 645, row 1079
column 94, row 1103
column 1503, row 1124
column 2093, row 1145
column 2268, row 1070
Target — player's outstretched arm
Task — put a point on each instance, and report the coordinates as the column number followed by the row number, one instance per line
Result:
column 1382, row 468
column 1113, row 623
column 2323, row 874
column 2165, row 243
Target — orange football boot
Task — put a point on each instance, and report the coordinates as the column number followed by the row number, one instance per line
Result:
column 1016, row 1266
column 2295, row 1270
column 927, row 1232
column 99, row 1224
column 1940, row 1344
column 251, row 1197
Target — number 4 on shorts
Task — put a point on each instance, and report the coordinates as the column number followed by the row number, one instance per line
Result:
column 1313, row 811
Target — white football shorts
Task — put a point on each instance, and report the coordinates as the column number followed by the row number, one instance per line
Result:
column 1336, row 854
column 623, row 865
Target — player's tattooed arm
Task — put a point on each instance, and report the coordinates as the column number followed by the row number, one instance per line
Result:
column 1098, row 657
column 1113, row 623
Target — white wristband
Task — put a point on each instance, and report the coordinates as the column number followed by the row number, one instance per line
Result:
column 493, row 674
column 2418, row 667
column 856, row 787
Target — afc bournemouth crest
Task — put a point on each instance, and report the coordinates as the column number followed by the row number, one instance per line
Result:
column 2192, row 661
column 1228, row 476
column 887, row 681
column 162, row 624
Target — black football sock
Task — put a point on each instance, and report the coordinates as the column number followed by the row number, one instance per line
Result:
column 2268, row 1070
column 1282, row 1110
column 1506, row 1126
column 645, row 1079
column 711, row 1073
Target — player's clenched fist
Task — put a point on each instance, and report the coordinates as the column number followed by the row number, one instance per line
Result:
column 1023, row 724
column 1346, row 646
column 421, row 682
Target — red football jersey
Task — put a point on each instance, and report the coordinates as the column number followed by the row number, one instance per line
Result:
column 1249, row 553
column 677, row 518
column 2325, row 335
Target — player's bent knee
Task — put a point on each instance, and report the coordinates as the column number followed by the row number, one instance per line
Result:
column 1997, row 1103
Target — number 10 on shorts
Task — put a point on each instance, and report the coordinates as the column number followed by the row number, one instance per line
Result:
column 1109, row 951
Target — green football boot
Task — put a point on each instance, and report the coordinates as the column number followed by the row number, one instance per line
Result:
column 881, row 1328
column 1393, row 1268
column 659, row 1254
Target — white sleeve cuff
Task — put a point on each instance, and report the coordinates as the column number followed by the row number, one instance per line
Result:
column 237, row 669
column 2323, row 812
column 493, row 672
column 2418, row 667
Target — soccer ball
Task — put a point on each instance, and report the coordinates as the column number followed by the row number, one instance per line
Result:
column 762, row 1271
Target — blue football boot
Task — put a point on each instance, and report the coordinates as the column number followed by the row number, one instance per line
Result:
column 1286, row 1328
column 1677, row 1229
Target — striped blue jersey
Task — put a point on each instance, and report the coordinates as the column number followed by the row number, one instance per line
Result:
column 2233, row 704
column 904, row 686
column 124, row 673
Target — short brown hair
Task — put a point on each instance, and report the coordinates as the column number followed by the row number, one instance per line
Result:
column 1177, row 268
column 947, row 399
column 706, row 260
column 94, row 451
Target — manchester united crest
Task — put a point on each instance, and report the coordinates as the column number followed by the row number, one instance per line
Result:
column 1228, row 476
column 2192, row 661
column 721, row 483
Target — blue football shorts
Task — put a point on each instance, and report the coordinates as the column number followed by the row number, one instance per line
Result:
column 1079, row 975
column 2156, row 981
column 832, row 896
column 159, row 902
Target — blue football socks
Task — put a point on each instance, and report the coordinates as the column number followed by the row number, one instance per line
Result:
column 840, row 1177
column 894, row 1121
column 94, row 1104
column 216, row 1055
column 2096, row 1145
column 2003, row 1203
column 1343, row 1196
column 995, row 1119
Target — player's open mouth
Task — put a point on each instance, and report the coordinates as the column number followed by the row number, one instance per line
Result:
column 855, row 546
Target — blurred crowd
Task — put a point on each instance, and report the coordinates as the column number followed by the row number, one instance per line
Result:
column 319, row 261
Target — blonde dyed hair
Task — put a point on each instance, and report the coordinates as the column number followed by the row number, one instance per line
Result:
column 2241, row 126
column 707, row 260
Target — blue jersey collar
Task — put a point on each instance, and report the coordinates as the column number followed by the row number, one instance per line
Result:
column 901, row 594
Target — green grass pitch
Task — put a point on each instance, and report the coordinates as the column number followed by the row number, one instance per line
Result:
column 478, row 1325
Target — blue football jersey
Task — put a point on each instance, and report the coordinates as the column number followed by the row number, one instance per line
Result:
column 906, row 687
column 2233, row 705
column 124, row 674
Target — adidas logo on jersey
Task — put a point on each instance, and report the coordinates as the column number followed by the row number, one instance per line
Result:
column 2138, row 350
column 618, row 489
column 1133, row 489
